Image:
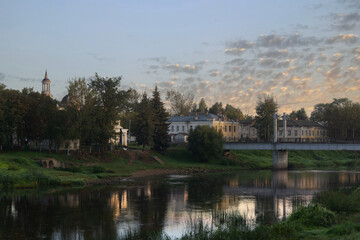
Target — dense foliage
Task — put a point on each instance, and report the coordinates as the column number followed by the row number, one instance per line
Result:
column 265, row 109
column 205, row 143
column 341, row 117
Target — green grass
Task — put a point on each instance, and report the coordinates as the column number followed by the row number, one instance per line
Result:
column 20, row 169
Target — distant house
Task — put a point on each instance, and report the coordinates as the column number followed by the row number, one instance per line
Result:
column 180, row 126
column 302, row 131
column 247, row 130
column 121, row 135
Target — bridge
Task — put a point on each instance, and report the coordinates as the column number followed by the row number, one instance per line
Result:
column 280, row 149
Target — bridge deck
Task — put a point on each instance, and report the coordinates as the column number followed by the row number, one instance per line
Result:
column 292, row 146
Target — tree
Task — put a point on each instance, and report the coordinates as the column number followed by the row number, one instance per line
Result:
column 78, row 96
column 205, row 143
column 216, row 109
column 180, row 104
column 107, row 99
column 202, row 106
column 233, row 113
column 341, row 117
column 161, row 125
column 144, row 122
column 265, row 109
column 299, row 115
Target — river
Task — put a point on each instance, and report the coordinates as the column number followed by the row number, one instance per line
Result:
column 161, row 203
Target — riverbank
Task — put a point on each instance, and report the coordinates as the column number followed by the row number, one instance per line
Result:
column 24, row 170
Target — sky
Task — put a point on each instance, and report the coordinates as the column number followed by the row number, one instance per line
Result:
column 233, row 51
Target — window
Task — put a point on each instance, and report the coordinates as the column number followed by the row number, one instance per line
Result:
column 225, row 128
column 234, row 128
column 313, row 133
column 172, row 128
column 229, row 139
column 295, row 133
column 289, row 132
column 302, row 132
column 183, row 128
column 318, row 133
column 306, row 132
column 309, row 132
column 234, row 139
column 229, row 128
column 220, row 128
column 191, row 127
column 177, row 128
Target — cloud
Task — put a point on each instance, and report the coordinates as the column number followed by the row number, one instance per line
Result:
column 214, row 73
column 240, row 44
column 234, row 51
column 177, row 68
column 343, row 38
column 274, row 53
column 285, row 41
column 347, row 21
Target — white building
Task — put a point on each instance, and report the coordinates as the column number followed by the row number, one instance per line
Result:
column 120, row 135
column 180, row 126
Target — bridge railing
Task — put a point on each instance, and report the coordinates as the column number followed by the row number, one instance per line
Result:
column 302, row 140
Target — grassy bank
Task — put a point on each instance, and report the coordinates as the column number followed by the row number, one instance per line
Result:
column 331, row 215
column 22, row 169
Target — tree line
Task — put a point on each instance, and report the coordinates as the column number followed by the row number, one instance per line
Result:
column 88, row 113
column 92, row 108
column 340, row 117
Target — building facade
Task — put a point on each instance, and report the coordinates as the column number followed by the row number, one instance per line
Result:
column 302, row 131
column 180, row 126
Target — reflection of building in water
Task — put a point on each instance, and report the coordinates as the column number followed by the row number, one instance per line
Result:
column 118, row 202
column 70, row 200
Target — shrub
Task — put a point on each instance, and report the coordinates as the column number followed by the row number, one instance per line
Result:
column 98, row 169
column 205, row 143
column 313, row 215
column 7, row 180
column 340, row 201
column 13, row 168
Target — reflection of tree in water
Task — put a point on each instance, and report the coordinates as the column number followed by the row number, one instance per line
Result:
column 25, row 217
column 152, row 208
column 205, row 191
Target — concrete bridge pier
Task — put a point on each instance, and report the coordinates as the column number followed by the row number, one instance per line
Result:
column 280, row 159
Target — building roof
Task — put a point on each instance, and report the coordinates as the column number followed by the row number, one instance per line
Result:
column 246, row 121
column 300, row 123
column 194, row 118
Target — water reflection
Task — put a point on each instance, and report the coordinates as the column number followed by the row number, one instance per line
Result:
column 162, row 203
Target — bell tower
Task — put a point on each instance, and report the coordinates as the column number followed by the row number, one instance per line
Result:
column 46, row 85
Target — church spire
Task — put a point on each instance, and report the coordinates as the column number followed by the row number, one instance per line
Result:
column 46, row 85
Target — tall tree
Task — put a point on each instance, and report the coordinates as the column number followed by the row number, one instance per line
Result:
column 341, row 117
column 233, row 113
column 180, row 104
column 265, row 109
column 75, row 102
column 299, row 114
column 161, row 125
column 202, row 106
column 217, row 109
column 107, row 101
column 144, row 122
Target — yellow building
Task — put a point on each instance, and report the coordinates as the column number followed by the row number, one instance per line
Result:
column 229, row 129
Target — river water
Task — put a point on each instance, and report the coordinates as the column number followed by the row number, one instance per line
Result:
column 162, row 203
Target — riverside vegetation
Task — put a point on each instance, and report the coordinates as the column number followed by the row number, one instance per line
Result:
column 331, row 215
column 21, row 169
